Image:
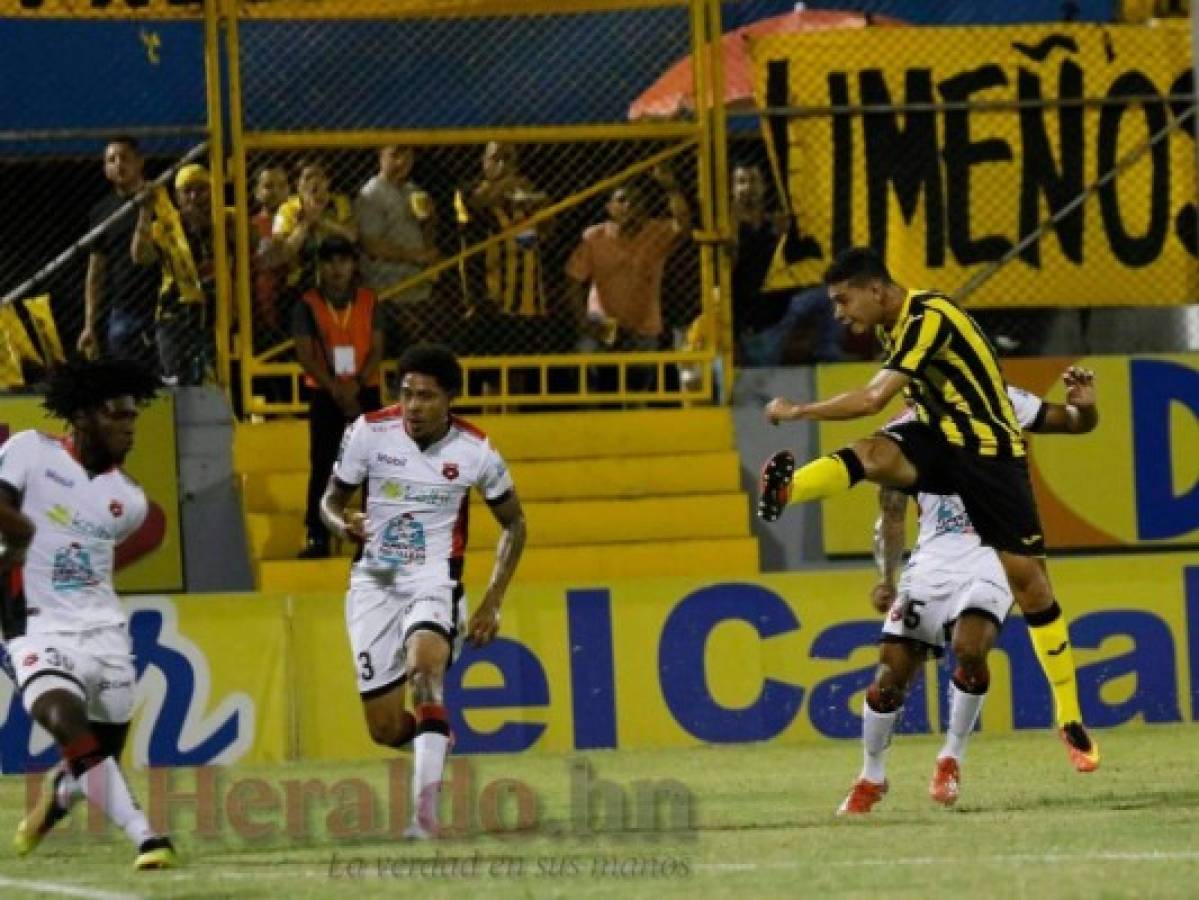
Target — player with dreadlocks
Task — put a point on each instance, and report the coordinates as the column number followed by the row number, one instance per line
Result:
column 65, row 505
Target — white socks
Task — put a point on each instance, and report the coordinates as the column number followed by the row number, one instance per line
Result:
column 105, row 786
column 67, row 792
column 963, row 714
column 876, row 738
column 428, row 769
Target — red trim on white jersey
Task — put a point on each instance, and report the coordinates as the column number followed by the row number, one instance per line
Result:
column 461, row 527
column 469, row 427
column 386, row 414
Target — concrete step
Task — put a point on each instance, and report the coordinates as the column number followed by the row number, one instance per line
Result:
column 608, row 477
column 553, row 523
column 735, row 557
column 283, row 445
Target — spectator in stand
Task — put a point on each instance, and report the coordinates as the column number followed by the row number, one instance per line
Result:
column 303, row 221
column 116, row 290
column 807, row 333
column 618, row 264
column 180, row 240
column 271, row 190
column 398, row 223
column 504, row 289
column 338, row 330
column 758, row 233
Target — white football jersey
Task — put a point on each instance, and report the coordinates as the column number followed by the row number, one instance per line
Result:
column 417, row 500
column 67, row 577
column 947, row 539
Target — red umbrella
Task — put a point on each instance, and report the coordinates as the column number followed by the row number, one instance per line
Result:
column 673, row 94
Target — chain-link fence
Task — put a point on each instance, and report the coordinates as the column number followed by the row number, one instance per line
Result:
column 1042, row 174
column 98, row 109
column 499, row 200
column 1045, row 175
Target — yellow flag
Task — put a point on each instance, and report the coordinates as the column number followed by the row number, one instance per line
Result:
column 45, row 329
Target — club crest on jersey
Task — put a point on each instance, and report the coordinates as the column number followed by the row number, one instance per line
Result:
column 30, row 660
column 116, row 508
column 449, row 471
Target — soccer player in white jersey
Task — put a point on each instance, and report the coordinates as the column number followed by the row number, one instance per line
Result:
column 65, row 505
column 405, row 606
column 954, row 586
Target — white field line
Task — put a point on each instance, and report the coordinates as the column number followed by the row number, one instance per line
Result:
column 62, row 890
column 1043, row 858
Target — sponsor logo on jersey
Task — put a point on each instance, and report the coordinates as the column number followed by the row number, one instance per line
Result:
column 403, row 542
column 388, row 460
column 417, row 493
column 59, row 479
column 64, row 516
column 952, row 518
column 449, row 471
column 72, row 569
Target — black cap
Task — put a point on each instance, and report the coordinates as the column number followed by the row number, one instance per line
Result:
column 335, row 245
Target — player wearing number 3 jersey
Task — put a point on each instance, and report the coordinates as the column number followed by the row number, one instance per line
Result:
column 405, row 609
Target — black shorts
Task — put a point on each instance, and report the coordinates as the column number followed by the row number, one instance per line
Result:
column 996, row 491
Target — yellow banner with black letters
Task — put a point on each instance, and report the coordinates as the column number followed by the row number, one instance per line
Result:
column 945, row 148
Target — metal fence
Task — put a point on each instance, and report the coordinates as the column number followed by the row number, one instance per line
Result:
column 467, row 148
column 467, row 145
column 1045, row 176
column 99, row 109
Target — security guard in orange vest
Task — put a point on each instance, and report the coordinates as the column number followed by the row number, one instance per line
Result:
column 338, row 329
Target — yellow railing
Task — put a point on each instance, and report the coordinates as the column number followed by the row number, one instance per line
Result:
column 518, row 379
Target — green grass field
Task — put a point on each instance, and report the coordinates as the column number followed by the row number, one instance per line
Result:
column 763, row 825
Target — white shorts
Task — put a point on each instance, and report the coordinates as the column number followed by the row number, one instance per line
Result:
column 95, row 665
column 379, row 620
column 931, row 600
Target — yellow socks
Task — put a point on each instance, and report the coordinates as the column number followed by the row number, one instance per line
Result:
column 826, row 476
column 1051, row 641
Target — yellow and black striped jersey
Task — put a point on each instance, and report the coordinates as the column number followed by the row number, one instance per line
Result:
column 513, row 271
column 507, row 274
column 957, row 385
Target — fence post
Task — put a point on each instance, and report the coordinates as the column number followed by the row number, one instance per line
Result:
column 222, row 331
column 241, row 201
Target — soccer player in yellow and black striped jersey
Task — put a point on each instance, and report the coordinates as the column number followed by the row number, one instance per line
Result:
column 966, row 440
column 956, row 385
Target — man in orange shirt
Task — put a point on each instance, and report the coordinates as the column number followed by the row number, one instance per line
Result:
column 622, row 260
column 338, row 329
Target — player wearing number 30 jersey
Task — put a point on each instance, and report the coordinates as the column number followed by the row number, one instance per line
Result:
column 65, row 505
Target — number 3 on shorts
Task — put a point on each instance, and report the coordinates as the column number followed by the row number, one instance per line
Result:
column 368, row 671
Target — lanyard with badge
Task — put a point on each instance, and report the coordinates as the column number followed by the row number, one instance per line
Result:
column 345, row 363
